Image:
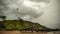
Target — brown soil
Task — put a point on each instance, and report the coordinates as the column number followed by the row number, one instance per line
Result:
column 18, row 32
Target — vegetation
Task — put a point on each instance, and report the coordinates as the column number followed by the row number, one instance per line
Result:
column 21, row 25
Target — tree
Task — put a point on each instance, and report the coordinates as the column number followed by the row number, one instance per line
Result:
column 2, row 23
column 3, row 17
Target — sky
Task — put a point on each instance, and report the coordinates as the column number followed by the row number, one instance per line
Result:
column 44, row 12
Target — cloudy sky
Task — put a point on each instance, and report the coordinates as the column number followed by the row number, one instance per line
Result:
column 44, row 12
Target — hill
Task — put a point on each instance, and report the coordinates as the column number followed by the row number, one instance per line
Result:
column 22, row 25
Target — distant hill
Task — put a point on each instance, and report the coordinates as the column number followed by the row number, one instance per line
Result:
column 22, row 25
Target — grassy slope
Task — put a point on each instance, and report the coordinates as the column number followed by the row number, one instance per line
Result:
column 21, row 25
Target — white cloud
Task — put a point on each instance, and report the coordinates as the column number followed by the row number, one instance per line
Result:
column 26, row 17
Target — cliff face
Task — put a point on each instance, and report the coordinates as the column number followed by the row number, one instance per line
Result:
column 20, row 25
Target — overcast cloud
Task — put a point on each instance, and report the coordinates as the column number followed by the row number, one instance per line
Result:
column 45, row 12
